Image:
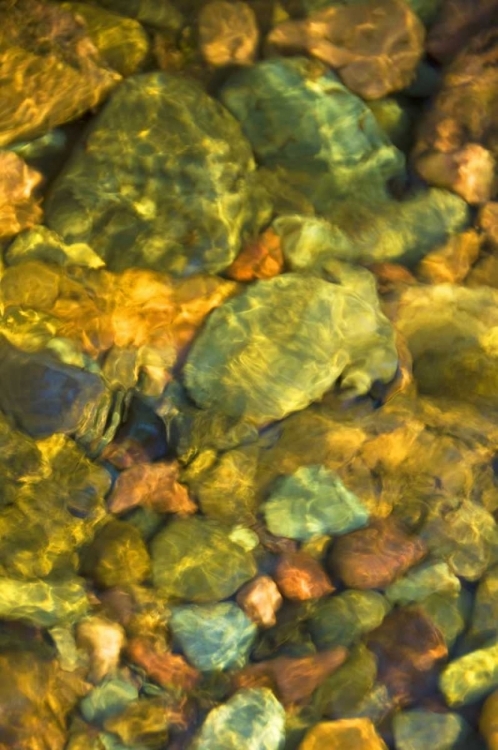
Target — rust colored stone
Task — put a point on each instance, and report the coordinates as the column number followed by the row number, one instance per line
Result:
column 487, row 221
column 260, row 259
column 452, row 262
column 389, row 276
column 374, row 557
column 162, row 666
column 409, row 649
column 293, row 679
column 155, row 486
column 300, row 577
column 228, row 33
column 457, row 22
column 260, row 599
column 375, row 46
column 19, row 207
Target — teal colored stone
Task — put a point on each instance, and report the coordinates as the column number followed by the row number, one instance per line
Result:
column 422, row 581
column 43, row 603
column 450, row 612
column 252, row 719
column 342, row 619
column 471, row 677
column 299, row 117
column 164, row 180
column 420, row 729
column 313, row 501
column 283, row 342
column 375, row 231
column 107, row 699
column 194, row 559
column 213, row 636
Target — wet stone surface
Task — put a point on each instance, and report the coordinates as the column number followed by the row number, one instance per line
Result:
column 248, row 391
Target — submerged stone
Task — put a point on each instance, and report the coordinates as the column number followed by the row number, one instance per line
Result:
column 342, row 692
column 228, row 33
column 49, row 63
column 40, row 243
column 195, row 559
column 251, row 718
column 468, row 678
column 107, row 699
column 117, row 555
column 344, row 734
column 282, row 343
column 145, row 720
column 313, row 501
column 419, row 729
column 422, row 581
column 299, row 117
column 19, row 209
column 43, row 603
column 158, row 187
column 342, row 619
column 213, row 636
column 484, row 623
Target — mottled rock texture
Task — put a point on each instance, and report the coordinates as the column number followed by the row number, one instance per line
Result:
column 164, row 180
column 19, row 207
column 228, row 33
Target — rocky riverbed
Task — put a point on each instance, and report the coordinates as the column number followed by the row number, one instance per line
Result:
column 249, row 375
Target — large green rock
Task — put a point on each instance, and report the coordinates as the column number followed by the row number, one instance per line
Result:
column 195, row 559
column 117, row 556
column 282, row 343
column 420, row 729
column 471, row 677
column 342, row 619
column 213, row 636
column 299, row 117
column 313, row 501
column 164, row 180
column 250, row 719
column 106, row 699
column 43, row 603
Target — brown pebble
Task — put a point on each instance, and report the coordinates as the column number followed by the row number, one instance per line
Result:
column 167, row 669
column 154, row 486
column 260, row 259
column 228, row 33
column 300, row 577
column 260, row 599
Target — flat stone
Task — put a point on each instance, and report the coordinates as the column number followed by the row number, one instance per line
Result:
column 469, row 678
column 419, row 729
column 300, row 118
column 70, row 78
column 372, row 558
column 128, row 194
column 213, row 637
column 343, row 618
column 228, row 33
column 312, row 501
column 450, row 613
column 260, row 599
column 422, row 581
column 43, row 603
column 251, row 716
column 371, row 64
column 345, row 734
column 194, row 559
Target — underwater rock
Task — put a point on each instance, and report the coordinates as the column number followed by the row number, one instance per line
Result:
column 419, row 729
column 107, row 699
column 488, row 724
column 344, row 734
column 484, row 622
column 213, row 637
column 121, row 42
column 43, row 603
column 177, row 195
column 162, row 666
column 312, row 501
column 160, row 14
column 260, row 599
column 343, row 618
column 251, row 717
column 251, row 362
column 103, row 640
column 153, row 486
column 375, row 46
column 456, row 24
column 40, row 243
column 195, row 559
column 51, row 70
column 300, row 118
column 342, row 692
column 468, row 678
column 372, row 558
column 450, row 613
column 117, row 555
column 19, row 209
column 422, row 581
column 142, row 721
column 228, row 33
column 452, row 262
column 300, row 577
column 258, row 259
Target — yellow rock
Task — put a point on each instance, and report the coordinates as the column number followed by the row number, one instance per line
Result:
column 346, row 734
column 488, row 721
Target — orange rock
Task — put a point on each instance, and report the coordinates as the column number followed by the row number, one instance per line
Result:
column 152, row 485
column 228, row 33
column 294, row 679
column 452, row 262
column 374, row 557
column 260, row 259
column 163, row 667
column 300, row 577
column 19, row 209
column 391, row 275
column 260, row 599
column 488, row 721
column 344, row 734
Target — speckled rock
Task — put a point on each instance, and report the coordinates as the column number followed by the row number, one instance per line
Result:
column 249, row 362
column 419, row 729
column 345, row 734
column 371, row 63
column 342, row 619
column 298, row 117
column 228, row 33
column 251, row 716
column 70, row 78
column 195, row 559
column 468, row 678
column 213, row 637
column 312, row 501
column 127, row 192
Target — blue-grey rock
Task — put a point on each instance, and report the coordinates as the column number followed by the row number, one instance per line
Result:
column 299, row 117
column 310, row 502
column 342, row 619
column 283, row 342
column 106, row 699
column 419, row 729
column 251, row 719
column 213, row 636
column 164, row 179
